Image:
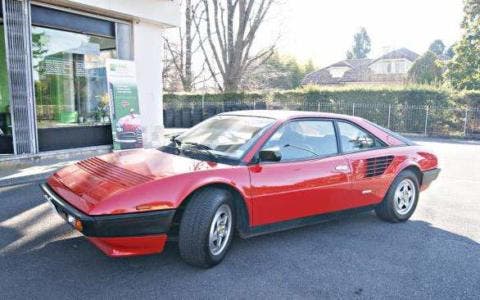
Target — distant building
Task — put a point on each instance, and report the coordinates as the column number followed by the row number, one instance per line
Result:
column 391, row 68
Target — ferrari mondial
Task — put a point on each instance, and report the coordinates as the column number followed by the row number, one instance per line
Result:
column 249, row 172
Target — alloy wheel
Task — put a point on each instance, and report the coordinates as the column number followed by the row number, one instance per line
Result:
column 220, row 229
column 404, row 197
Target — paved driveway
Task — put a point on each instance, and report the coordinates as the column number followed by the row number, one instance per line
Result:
column 435, row 255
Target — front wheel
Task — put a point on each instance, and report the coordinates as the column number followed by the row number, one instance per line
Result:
column 401, row 199
column 206, row 228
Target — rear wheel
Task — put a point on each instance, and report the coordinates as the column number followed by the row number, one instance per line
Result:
column 401, row 199
column 206, row 228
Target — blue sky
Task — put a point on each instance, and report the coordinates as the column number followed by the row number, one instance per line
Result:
column 323, row 29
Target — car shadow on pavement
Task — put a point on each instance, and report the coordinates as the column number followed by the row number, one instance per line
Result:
column 12, row 204
column 360, row 255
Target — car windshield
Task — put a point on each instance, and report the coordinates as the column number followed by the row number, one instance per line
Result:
column 226, row 136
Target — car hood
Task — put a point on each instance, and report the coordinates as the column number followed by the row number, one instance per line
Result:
column 87, row 183
column 155, row 164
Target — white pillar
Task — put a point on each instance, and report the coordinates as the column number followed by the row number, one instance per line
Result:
column 148, row 53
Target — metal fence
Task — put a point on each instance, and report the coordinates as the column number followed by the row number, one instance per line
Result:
column 434, row 121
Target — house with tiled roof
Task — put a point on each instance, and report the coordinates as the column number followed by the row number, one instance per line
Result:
column 390, row 68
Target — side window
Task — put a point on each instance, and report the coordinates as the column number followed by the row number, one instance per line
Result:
column 304, row 139
column 355, row 139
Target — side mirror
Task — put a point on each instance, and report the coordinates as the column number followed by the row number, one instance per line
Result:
column 272, row 154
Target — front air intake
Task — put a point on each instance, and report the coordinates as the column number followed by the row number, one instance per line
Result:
column 376, row 166
column 104, row 170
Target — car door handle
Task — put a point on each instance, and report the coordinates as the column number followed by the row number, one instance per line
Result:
column 342, row 168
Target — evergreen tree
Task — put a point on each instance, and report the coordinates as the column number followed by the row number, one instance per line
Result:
column 427, row 69
column 464, row 69
column 361, row 45
column 437, row 47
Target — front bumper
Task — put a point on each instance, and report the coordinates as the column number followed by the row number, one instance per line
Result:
column 117, row 235
column 429, row 176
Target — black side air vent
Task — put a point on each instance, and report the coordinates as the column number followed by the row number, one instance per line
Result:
column 377, row 165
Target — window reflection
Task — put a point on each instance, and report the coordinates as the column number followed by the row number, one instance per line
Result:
column 70, row 77
column 5, row 123
column 6, row 145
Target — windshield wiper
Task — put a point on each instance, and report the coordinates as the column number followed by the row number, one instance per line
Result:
column 176, row 148
column 201, row 147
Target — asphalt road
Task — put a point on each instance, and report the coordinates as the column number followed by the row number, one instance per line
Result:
column 434, row 255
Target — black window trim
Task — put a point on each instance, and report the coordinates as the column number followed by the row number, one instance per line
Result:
column 82, row 12
column 255, row 159
column 81, row 20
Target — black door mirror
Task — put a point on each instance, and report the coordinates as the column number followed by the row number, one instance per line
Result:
column 272, row 154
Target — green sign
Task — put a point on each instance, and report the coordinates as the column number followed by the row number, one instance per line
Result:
column 125, row 109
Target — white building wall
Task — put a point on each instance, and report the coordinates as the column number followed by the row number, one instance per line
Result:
column 391, row 66
column 165, row 13
column 338, row 72
column 148, row 49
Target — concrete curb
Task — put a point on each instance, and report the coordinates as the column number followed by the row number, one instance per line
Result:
column 52, row 161
column 16, row 161
column 24, row 179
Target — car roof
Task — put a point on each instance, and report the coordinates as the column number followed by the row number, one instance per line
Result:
column 288, row 114
column 388, row 137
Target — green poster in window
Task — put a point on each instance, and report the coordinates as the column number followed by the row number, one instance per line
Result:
column 124, row 106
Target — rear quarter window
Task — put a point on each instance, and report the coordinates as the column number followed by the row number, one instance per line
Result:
column 393, row 134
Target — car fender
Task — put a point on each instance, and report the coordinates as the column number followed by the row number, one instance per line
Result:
column 169, row 192
column 408, row 163
column 411, row 162
column 245, row 213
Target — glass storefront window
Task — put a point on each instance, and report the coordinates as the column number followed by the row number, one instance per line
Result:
column 4, row 93
column 70, row 77
column 6, row 146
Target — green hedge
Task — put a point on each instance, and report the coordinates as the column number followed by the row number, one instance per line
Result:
column 411, row 95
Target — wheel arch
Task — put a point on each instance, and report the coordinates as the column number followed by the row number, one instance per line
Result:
column 406, row 166
column 415, row 169
column 239, row 202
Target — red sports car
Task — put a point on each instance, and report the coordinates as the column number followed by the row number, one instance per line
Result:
column 251, row 172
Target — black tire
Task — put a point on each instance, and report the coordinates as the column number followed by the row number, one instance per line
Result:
column 169, row 118
column 193, row 239
column 387, row 210
column 186, row 117
column 177, row 120
column 197, row 115
column 211, row 111
column 261, row 105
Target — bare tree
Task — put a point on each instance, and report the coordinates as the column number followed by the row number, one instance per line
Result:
column 181, row 50
column 171, row 80
column 227, row 30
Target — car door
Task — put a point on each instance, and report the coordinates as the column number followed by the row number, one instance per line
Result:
column 368, row 161
column 311, row 178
